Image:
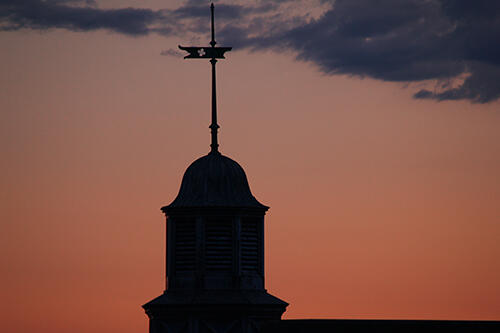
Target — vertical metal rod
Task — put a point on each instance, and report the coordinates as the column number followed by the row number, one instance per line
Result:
column 214, row 126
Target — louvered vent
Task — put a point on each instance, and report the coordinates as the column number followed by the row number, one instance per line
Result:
column 250, row 246
column 185, row 246
column 218, row 245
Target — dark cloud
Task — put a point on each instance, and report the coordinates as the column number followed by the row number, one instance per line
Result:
column 451, row 43
column 223, row 11
column 393, row 40
column 481, row 86
column 74, row 15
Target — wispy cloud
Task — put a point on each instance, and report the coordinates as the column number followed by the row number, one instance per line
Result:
column 171, row 53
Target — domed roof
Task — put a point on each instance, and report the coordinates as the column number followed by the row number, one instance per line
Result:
column 215, row 180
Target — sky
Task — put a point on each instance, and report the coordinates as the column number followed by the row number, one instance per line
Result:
column 372, row 132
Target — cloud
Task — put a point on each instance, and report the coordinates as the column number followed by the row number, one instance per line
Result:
column 393, row 40
column 172, row 53
column 74, row 15
column 390, row 40
column 481, row 86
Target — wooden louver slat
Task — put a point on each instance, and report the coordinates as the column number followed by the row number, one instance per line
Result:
column 218, row 245
column 185, row 246
column 250, row 245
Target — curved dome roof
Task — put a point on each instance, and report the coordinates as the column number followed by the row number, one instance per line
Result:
column 215, row 180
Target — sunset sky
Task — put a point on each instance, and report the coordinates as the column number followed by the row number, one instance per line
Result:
column 372, row 132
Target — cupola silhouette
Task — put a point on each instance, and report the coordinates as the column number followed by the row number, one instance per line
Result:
column 215, row 244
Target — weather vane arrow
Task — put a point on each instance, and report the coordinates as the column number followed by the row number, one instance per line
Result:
column 213, row 53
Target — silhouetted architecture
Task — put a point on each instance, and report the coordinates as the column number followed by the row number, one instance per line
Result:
column 215, row 244
column 215, row 255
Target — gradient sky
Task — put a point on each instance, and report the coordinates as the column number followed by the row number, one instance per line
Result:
column 384, row 189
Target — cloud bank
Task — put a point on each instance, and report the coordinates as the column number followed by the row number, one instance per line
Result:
column 451, row 45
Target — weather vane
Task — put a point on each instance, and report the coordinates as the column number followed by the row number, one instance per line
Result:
column 213, row 53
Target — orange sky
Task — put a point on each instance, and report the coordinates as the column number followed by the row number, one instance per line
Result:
column 382, row 206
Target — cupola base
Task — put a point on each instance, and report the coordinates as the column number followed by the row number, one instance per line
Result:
column 213, row 311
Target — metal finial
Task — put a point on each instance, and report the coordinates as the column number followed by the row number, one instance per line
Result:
column 212, row 42
column 213, row 53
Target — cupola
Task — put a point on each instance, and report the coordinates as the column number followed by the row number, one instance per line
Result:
column 215, row 244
